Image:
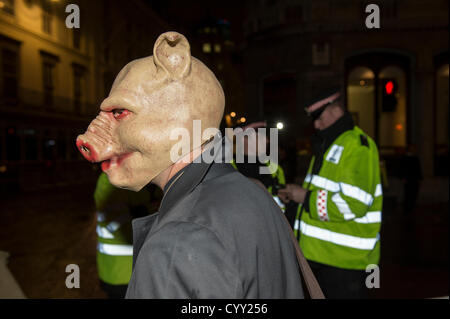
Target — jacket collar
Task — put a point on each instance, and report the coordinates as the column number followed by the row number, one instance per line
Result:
column 185, row 181
column 178, row 187
column 323, row 139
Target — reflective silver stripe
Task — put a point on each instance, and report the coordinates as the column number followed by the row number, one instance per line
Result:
column 337, row 238
column 378, row 191
column 369, row 218
column 102, row 232
column 356, row 193
column 279, row 203
column 115, row 250
column 113, row 226
column 342, row 206
column 100, row 217
column 347, row 189
column 323, row 183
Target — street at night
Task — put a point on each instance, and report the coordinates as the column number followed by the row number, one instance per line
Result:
column 49, row 230
column 254, row 149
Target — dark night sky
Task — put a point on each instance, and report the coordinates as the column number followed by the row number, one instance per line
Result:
column 183, row 16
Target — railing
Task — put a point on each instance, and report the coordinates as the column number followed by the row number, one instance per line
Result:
column 42, row 102
column 36, row 175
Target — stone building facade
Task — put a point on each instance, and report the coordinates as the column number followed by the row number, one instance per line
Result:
column 296, row 48
column 53, row 78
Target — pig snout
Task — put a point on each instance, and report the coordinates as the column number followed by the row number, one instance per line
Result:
column 96, row 144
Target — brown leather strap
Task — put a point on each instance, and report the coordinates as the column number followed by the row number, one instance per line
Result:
column 309, row 279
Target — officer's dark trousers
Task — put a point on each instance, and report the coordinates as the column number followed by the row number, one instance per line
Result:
column 337, row 283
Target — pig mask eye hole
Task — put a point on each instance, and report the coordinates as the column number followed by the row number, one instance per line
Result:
column 120, row 113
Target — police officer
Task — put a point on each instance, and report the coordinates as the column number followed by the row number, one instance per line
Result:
column 339, row 215
column 115, row 210
column 251, row 169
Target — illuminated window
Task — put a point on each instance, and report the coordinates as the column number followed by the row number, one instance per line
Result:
column 217, row 48
column 206, row 47
column 361, row 98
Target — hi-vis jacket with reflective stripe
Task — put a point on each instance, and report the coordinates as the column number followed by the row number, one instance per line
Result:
column 341, row 217
column 114, row 231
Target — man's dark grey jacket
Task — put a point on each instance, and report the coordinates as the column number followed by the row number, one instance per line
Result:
column 216, row 235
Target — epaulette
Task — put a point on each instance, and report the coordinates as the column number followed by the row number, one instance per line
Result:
column 364, row 140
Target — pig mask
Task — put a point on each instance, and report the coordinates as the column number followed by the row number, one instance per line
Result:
column 149, row 99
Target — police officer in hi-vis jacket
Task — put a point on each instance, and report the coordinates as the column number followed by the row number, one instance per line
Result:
column 339, row 214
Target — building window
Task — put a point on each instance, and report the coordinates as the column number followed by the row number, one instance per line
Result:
column 12, row 144
column 61, row 145
column 7, row 6
column 48, row 70
column 31, row 145
column 361, row 98
column 77, row 91
column 49, row 62
column 78, row 86
column 76, row 38
column 47, row 18
column 10, row 75
column 393, row 124
column 321, row 53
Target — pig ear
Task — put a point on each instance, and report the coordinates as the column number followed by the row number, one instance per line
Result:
column 172, row 53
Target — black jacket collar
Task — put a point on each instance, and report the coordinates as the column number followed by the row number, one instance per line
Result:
column 322, row 140
column 185, row 181
column 178, row 187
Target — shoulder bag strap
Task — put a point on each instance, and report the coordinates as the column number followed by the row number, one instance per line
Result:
column 309, row 279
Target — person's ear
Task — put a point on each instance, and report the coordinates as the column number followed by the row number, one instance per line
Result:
column 172, row 54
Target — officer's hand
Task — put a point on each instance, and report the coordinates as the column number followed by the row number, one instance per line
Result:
column 284, row 195
column 292, row 192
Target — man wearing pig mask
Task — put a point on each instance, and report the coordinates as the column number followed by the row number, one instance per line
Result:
column 216, row 233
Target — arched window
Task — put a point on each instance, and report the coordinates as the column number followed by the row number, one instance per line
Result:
column 377, row 96
column 361, row 98
column 392, row 121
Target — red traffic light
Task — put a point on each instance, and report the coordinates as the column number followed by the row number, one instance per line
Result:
column 389, row 87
